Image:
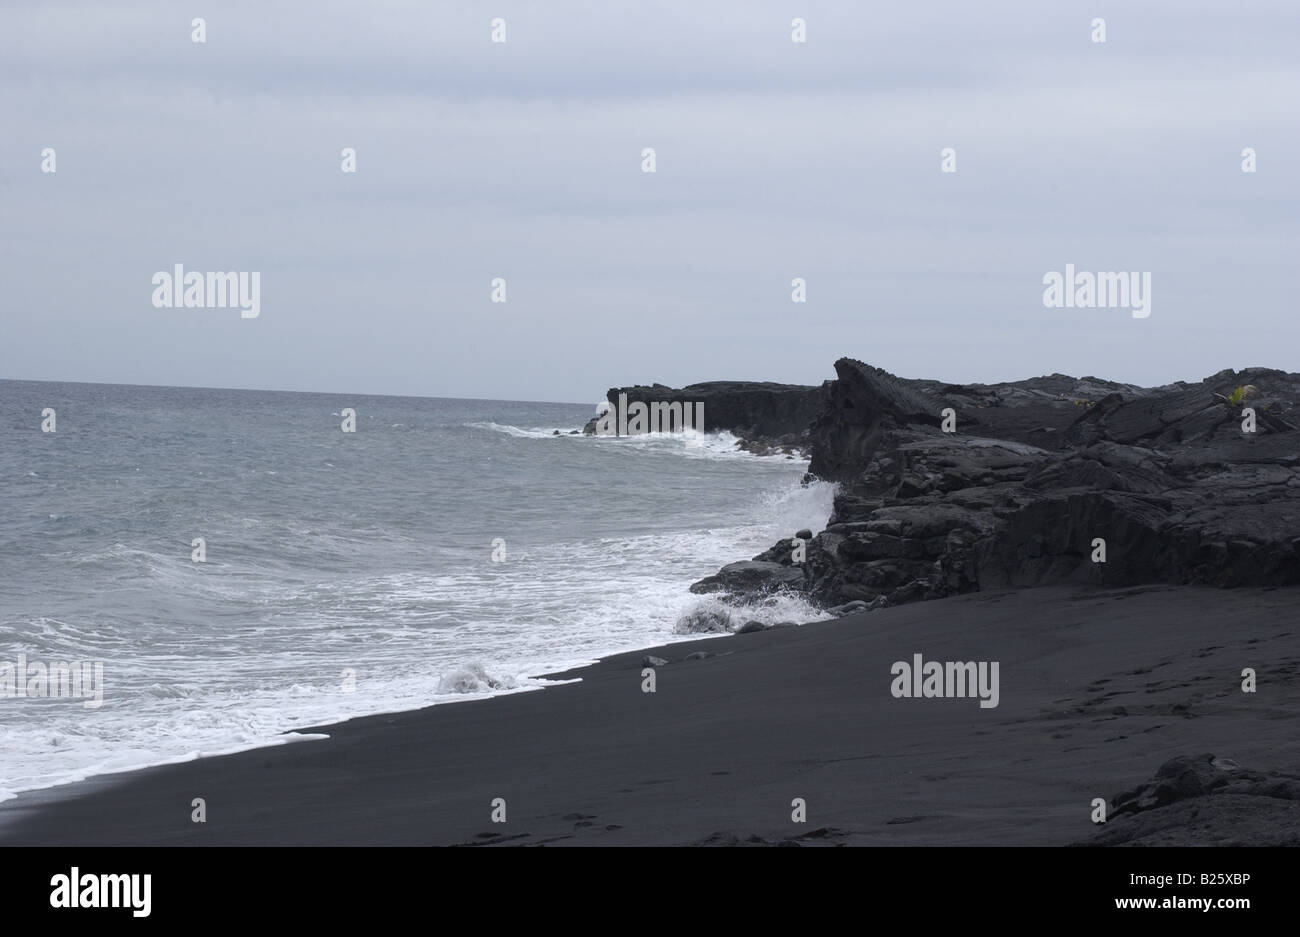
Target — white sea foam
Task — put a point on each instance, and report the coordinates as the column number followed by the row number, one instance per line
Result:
column 519, row 432
column 474, row 678
column 709, row 445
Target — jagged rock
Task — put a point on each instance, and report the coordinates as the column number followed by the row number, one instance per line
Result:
column 848, row 608
column 861, row 404
column 752, row 577
column 1206, row 799
column 767, row 417
column 750, row 627
column 1176, row 779
column 651, row 661
column 789, row 445
column 1036, row 471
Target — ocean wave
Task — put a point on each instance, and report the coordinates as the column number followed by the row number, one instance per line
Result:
column 201, row 659
column 474, row 678
column 723, row 613
column 708, row 445
column 519, row 432
column 718, row 444
column 169, row 691
column 798, row 507
column 120, row 555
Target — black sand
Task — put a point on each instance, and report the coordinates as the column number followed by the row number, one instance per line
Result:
column 1097, row 689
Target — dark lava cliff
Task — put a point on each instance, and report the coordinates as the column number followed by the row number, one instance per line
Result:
column 1036, row 477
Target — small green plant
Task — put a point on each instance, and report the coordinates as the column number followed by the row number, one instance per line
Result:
column 1237, row 396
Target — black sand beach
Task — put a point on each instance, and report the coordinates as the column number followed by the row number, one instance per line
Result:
column 1098, row 689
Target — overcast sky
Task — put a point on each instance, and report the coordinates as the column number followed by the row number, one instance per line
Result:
column 522, row 160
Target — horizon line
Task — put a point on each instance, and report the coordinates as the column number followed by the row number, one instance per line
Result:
column 268, row 390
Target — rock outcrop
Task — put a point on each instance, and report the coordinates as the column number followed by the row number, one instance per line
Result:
column 765, row 416
column 1205, row 800
column 1044, row 480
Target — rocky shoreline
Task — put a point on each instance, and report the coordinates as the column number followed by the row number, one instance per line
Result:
column 946, row 489
column 766, row 418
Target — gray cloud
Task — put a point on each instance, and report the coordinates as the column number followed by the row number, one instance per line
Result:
column 522, row 160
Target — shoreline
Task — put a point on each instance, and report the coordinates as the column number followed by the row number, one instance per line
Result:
column 1098, row 689
column 282, row 737
column 290, row 736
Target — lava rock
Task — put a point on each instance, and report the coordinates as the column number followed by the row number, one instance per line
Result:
column 751, row 577
column 1037, row 473
column 759, row 412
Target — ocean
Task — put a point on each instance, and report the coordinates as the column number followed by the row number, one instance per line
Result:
column 445, row 549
